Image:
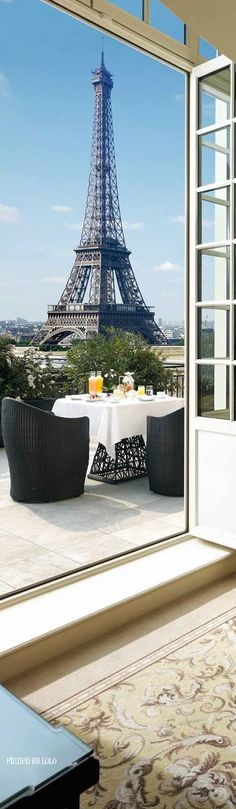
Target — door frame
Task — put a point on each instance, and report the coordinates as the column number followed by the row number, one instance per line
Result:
column 198, row 423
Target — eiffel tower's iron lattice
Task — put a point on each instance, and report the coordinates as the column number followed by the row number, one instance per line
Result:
column 102, row 255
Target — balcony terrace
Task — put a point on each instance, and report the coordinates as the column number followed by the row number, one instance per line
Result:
column 43, row 541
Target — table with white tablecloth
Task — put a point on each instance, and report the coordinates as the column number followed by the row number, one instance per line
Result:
column 74, row 408
column 120, row 429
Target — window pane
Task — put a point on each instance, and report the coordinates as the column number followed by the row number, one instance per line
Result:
column 132, row 6
column 214, row 209
column 214, row 98
column 234, row 90
column 235, row 394
column 167, row 22
column 214, row 274
column 235, row 332
column 235, row 271
column 214, row 157
column 213, row 333
column 234, row 207
column 213, row 391
column 206, row 50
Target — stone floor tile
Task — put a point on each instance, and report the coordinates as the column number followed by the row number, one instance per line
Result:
column 27, row 572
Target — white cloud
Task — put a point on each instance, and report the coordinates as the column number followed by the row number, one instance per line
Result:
column 179, row 97
column 208, row 223
column 55, row 252
column 166, row 266
column 53, row 279
column 73, row 225
column 133, row 225
column 8, row 215
column 61, row 208
column 9, row 297
column 179, row 219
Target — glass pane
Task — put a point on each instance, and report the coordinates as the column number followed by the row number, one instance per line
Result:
column 235, row 394
column 234, row 90
column 214, row 157
column 167, row 22
column 235, row 272
column 213, row 330
column 214, row 274
column 206, row 50
column 213, row 391
column 214, row 98
column 235, row 334
column 134, row 7
column 214, row 209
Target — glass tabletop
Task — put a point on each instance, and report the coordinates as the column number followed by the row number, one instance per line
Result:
column 31, row 750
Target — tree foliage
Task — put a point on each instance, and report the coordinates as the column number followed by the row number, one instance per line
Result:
column 9, row 369
column 115, row 353
column 25, row 377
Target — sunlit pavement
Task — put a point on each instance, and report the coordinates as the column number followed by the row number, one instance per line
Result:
column 41, row 541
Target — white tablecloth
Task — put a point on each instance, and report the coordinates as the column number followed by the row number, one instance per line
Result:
column 110, row 422
column 75, row 408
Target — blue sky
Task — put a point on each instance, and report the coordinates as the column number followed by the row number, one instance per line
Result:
column 46, row 108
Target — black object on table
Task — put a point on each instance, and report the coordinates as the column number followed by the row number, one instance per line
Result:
column 48, row 457
column 40, row 764
column 165, row 453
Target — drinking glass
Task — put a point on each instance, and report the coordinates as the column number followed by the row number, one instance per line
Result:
column 141, row 390
column 149, row 390
column 92, row 384
column 99, row 382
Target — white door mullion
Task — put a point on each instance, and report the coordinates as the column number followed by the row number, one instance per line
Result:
column 232, row 249
column 223, row 112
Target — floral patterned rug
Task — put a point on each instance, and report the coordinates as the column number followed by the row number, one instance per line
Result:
column 164, row 728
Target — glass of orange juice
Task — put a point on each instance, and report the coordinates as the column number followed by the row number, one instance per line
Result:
column 99, row 382
column 92, row 384
column 141, row 390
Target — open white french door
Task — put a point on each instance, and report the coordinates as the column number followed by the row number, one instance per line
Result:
column 212, row 294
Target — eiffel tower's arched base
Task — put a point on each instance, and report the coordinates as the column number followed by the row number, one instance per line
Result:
column 86, row 320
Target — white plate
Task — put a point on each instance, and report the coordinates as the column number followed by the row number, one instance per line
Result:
column 113, row 399
column 145, row 398
column 75, row 396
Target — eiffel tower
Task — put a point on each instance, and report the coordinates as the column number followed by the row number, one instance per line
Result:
column 102, row 254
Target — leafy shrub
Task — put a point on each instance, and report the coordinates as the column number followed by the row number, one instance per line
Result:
column 114, row 354
column 25, row 378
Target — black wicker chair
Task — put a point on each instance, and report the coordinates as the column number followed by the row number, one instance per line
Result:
column 42, row 404
column 47, row 455
column 165, row 453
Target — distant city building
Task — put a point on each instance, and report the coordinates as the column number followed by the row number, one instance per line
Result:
column 21, row 330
